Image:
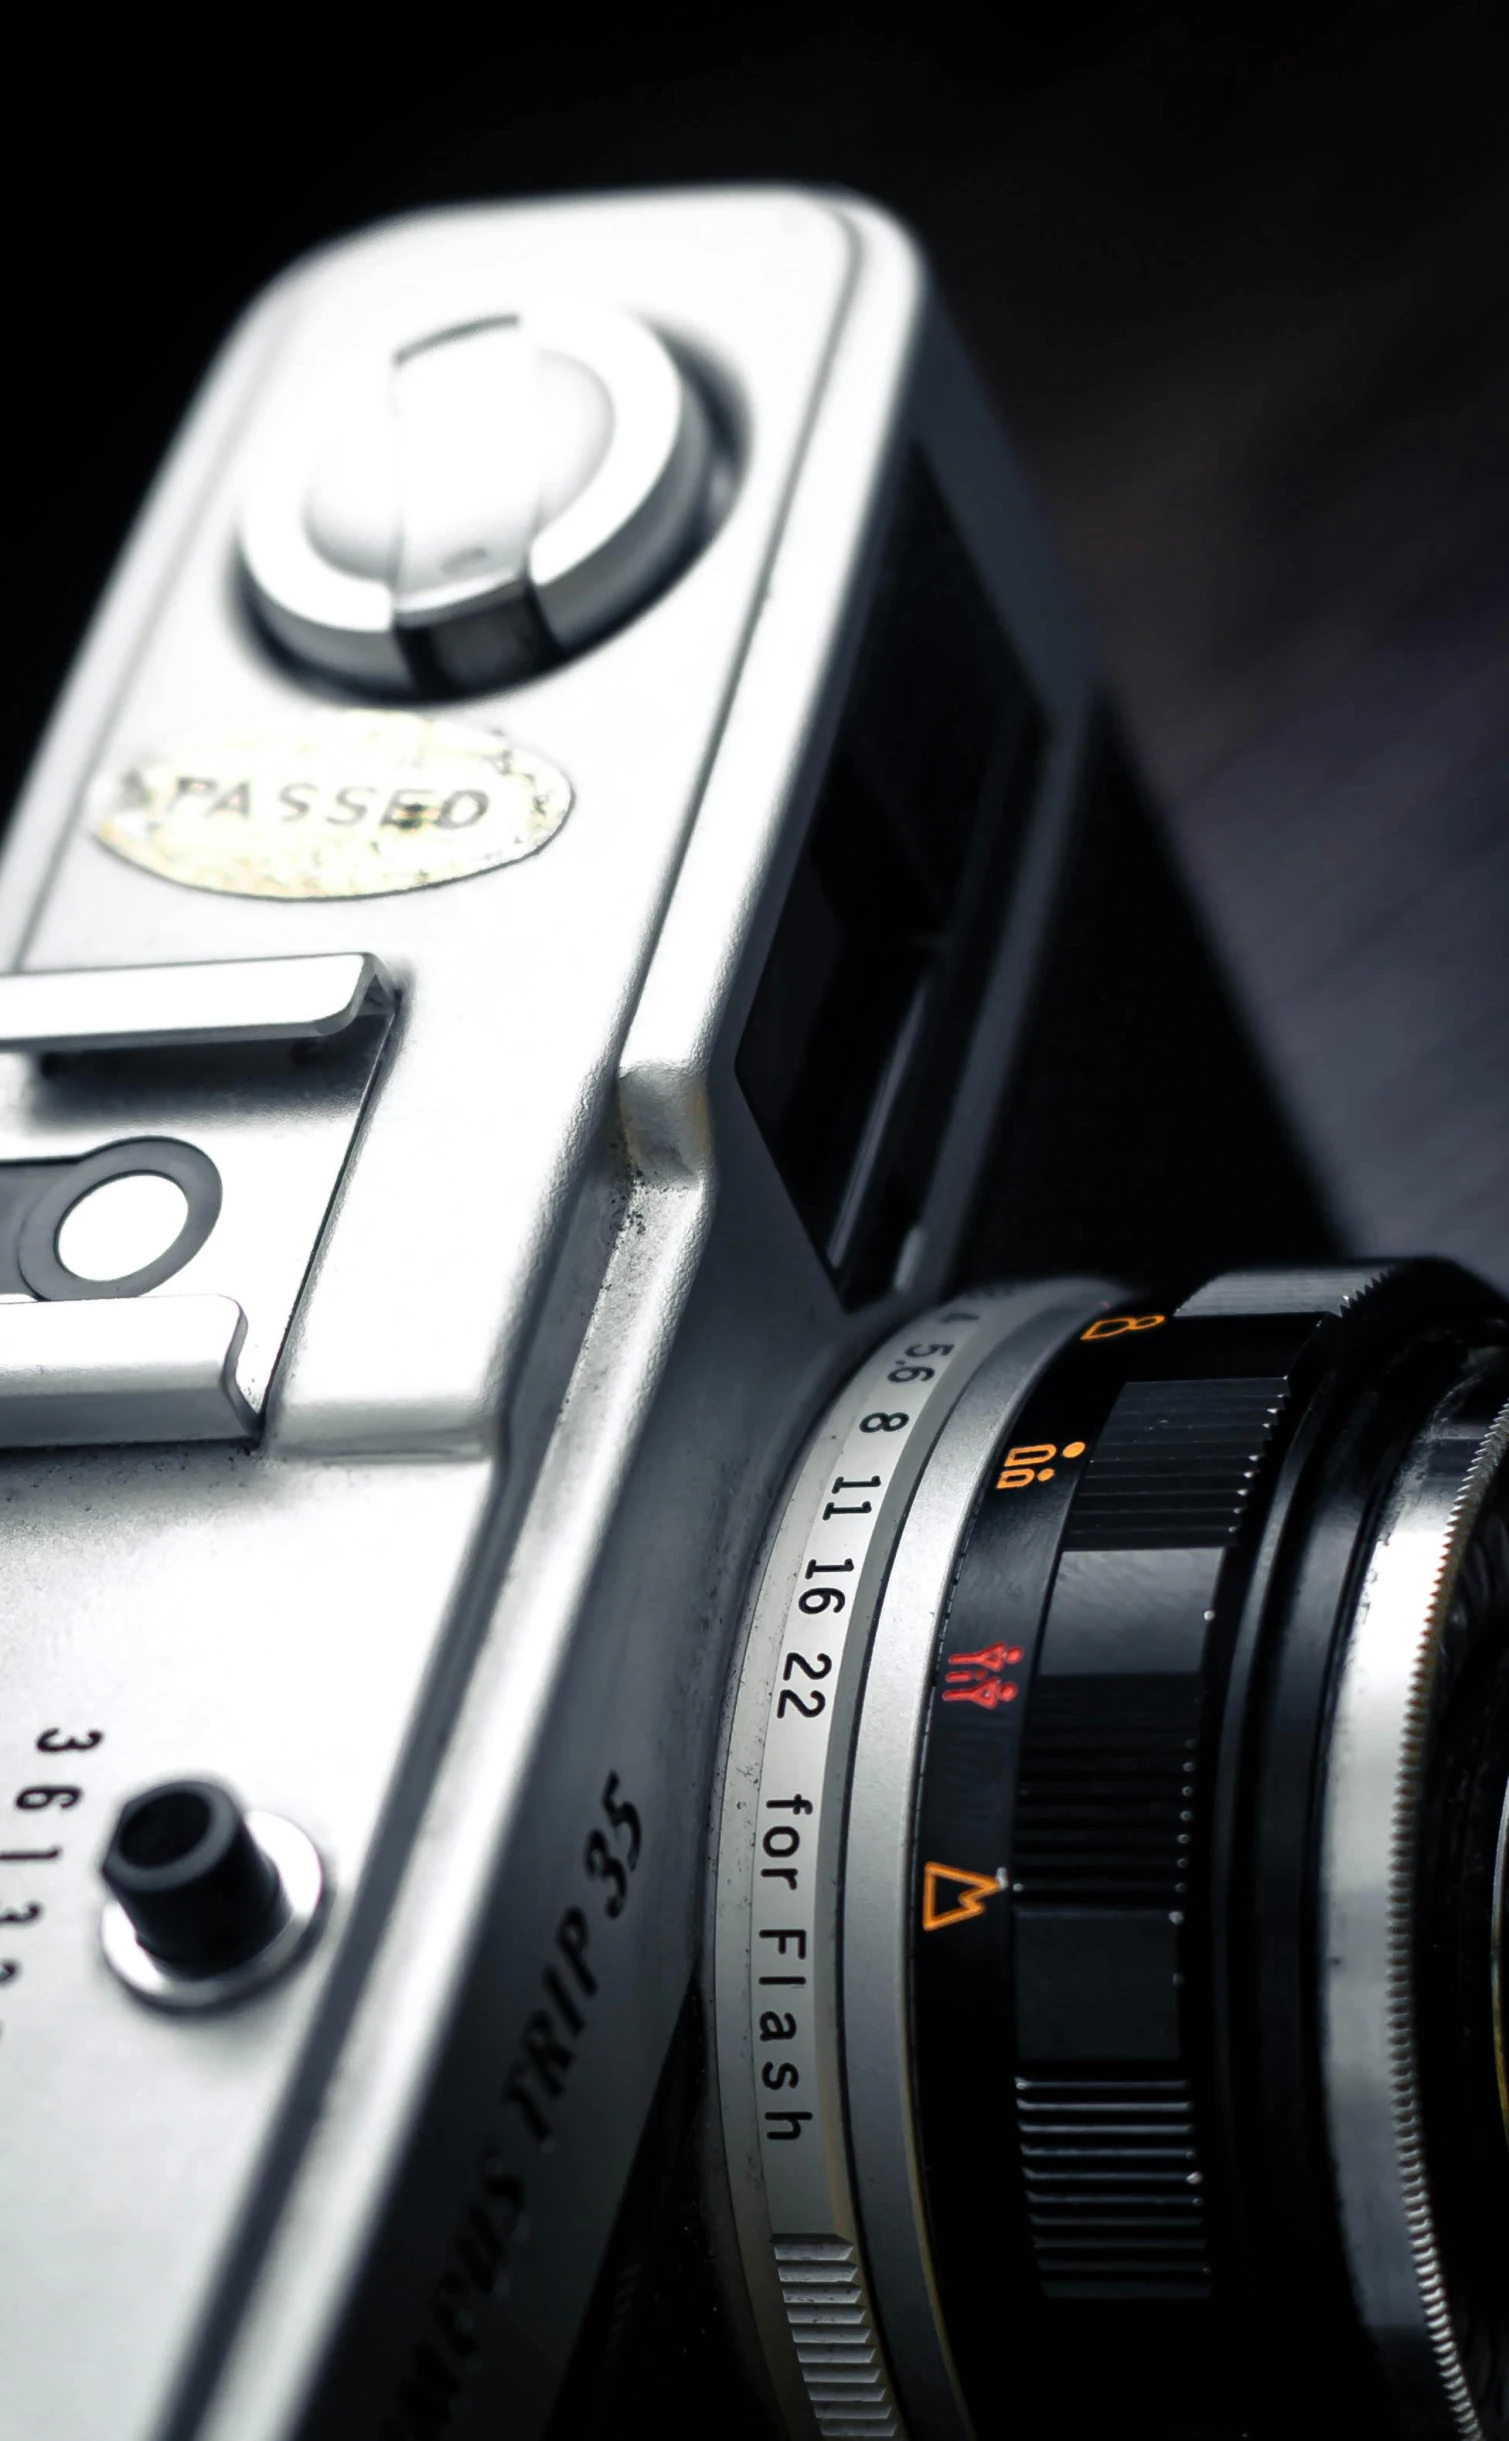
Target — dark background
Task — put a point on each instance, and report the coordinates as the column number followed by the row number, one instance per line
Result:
column 1238, row 284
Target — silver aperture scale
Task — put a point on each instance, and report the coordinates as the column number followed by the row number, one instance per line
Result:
column 812, row 1967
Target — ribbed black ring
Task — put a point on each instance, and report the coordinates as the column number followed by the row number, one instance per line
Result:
column 1099, row 1852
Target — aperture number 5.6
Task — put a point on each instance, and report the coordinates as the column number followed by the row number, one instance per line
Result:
column 910, row 1367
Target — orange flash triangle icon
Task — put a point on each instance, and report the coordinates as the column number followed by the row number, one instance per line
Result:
column 968, row 1896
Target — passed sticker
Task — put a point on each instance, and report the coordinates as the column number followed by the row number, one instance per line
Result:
column 341, row 805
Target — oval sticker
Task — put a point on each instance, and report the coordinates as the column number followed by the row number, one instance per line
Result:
column 343, row 805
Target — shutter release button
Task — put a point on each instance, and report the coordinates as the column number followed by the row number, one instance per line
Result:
column 206, row 1902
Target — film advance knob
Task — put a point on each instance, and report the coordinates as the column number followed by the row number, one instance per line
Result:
column 486, row 499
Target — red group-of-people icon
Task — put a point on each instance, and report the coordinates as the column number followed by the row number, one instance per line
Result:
column 977, row 1678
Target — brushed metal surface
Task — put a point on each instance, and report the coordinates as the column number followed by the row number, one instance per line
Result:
column 276, row 1118
column 237, row 1000
column 534, row 969
column 121, row 1369
column 558, row 1295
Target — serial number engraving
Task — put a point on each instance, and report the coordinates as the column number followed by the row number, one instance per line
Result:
column 341, row 805
column 38, row 1797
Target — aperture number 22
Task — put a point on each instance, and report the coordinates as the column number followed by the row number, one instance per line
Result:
column 816, row 1600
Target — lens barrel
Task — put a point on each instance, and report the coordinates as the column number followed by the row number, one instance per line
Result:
column 1160, row 2062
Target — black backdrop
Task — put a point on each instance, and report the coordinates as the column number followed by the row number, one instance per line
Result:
column 1237, row 281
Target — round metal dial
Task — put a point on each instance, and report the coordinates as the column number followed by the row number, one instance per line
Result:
column 486, row 499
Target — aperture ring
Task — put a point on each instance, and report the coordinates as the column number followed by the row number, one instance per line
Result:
column 780, row 1855
column 1064, row 2040
column 1027, row 2161
column 878, row 1870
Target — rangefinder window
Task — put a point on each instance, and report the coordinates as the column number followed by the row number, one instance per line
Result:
column 854, row 1045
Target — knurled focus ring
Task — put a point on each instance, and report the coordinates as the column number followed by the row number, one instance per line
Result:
column 1068, row 1870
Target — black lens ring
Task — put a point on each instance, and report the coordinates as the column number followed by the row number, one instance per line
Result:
column 1364, row 1405
column 965, row 1797
column 1324, row 1361
column 1463, row 1801
column 190, row 1170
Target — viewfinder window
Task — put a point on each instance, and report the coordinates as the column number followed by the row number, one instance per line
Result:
column 854, row 1047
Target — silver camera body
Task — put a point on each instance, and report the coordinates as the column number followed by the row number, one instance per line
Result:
column 454, row 919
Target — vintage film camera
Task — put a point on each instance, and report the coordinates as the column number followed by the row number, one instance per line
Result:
column 698, row 1734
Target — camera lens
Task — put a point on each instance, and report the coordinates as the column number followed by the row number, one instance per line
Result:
column 1109, row 1973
